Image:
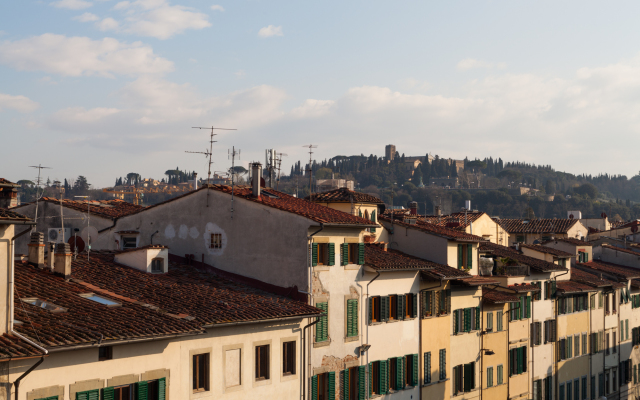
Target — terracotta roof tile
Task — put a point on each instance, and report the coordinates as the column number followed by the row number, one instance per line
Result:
column 573, row 287
column 622, row 250
column 635, row 283
column 455, row 220
column 619, row 271
column 452, row 234
column 592, row 279
column 344, row 195
column 9, row 215
column 498, row 296
column 12, row 347
column 544, row 225
column 6, row 182
column 111, row 209
column 477, row 280
column 575, row 242
column 444, row 272
column 379, row 259
column 547, row 250
column 524, row 287
column 535, row 263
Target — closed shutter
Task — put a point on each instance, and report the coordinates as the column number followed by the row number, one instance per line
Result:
column 528, row 308
column 569, row 347
column 427, row 367
column 635, row 374
column 384, row 376
column 371, row 310
column 460, row 260
column 399, row 306
column 162, row 388
column 332, row 254
column 553, row 330
column 499, row 316
column 416, row 369
column 399, row 373
column 448, row 300
column 370, row 381
column 626, row 328
column 352, row 317
column 467, row 378
column 360, row 253
column 345, row 385
column 532, row 334
column 472, row 378
column 467, row 319
column 373, row 219
column 107, row 394
column 553, row 289
column 91, row 394
column 477, row 327
column 469, row 256
column 314, row 254
column 142, row 390
column 344, row 250
column 455, row 322
column 499, row 373
column 443, row 364
column 414, row 308
column 322, row 325
column 314, row 387
column 384, row 308
column 331, row 385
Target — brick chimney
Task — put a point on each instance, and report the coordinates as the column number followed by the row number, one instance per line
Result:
column 413, row 207
column 256, row 174
column 36, row 249
column 63, row 260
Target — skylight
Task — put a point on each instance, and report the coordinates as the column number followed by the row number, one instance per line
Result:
column 101, row 300
column 44, row 304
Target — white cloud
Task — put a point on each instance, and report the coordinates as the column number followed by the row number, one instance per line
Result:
column 269, row 31
column 240, row 74
column 107, row 24
column 72, row 4
column 158, row 19
column 78, row 56
column 471, row 63
column 86, row 17
column 17, row 103
column 217, row 7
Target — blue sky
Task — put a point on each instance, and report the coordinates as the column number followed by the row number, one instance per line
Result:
column 102, row 88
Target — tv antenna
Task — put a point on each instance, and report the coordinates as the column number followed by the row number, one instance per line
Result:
column 209, row 153
column 279, row 161
column 40, row 168
column 233, row 153
column 310, row 170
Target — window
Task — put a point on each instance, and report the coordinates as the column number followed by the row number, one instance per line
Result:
column 489, row 321
column 262, row 362
column 614, row 381
column 466, row 320
column 157, row 265
column 353, row 382
column 548, row 387
column 216, row 241
column 105, row 353
column 536, row 295
column 520, row 238
column 352, row 253
column 435, row 303
column 517, row 360
column 536, row 333
column 129, row 242
column 323, row 386
column 561, row 392
column 576, row 389
column 489, row 377
column 122, row 392
column 376, row 313
column 322, row 327
column 393, row 306
column 601, row 384
column 593, row 387
column 323, row 254
column 562, row 262
column 614, row 347
column 379, row 377
column 499, row 374
column 44, row 304
column 626, row 329
column 352, row 317
column 87, row 395
column 537, row 390
column 201, row 372
column 289, row 358
column 443, row 364
column 550, row 331
column 465, row 256
column 635, row 336
column 549, row 290
column 101, row 300
column 499, row 316
column 464, row 379
column 606, row 344
column 427, row 367
column 607, row 382
column 156, row 390
column 411, row 370
column 232, row 367
column 584, row 344
column 576, row 345
column 411, row 305
column 569, row 386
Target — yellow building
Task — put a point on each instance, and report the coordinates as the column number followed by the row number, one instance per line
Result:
column 472, row 222
column 541, row 230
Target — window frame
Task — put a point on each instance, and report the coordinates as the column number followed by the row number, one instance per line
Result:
column 154, row 262
column 201, row 383
column 107, row 353
column 262, row 364
column 127, row 239
column 289, row 358
column 215, row 240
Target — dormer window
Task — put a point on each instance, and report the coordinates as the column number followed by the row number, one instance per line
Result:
column 157, row 265
column 129, row 242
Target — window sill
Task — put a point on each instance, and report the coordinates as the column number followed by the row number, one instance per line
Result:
column 320, row 268
column 352, row 267
column 351, row 339
column 322, row 344
column 435, row 383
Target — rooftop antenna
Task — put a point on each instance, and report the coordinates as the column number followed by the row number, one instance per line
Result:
column 279, row 160
column 87, row 198
column 40, row 168
column 210, row 152
column 310, row 170
column 270, row 163
column 233, row 153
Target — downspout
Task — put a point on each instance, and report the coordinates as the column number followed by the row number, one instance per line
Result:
column 310, row 284
column 151, row 239
column 590, row 333
column 363, row 308
column 533, row 362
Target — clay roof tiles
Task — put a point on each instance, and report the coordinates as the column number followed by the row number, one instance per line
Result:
column 619, row 271
column 477, row 280
column 524, row 287
column 12, row 347
column 9, row 215
column 379, row 259
column 110, row 209
column 507, row 252
column 592, row 279
column 344, row 195
column 547, row 250
column 622, row 250
column 456, row 220
column 573, row 287
column 452, row 234
column 444, row 272
column 498, row 296
column 543, row 225
column 575, row 242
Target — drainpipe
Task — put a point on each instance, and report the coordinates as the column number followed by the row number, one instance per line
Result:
column 533, row 362
column 310, row 284
column 151, row 240
column 590, row 332
column 364, row 307
column 304, row 353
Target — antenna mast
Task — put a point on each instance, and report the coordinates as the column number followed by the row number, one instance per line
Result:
column 310, row 170
column 279, row 161
column 233, row 153
column 40, row 168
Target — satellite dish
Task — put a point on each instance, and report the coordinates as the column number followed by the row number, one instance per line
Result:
column 89, row 232
column 76, row 242
column 570, row 216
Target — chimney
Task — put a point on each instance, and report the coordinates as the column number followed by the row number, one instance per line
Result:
column 413, row 206
column 438, row 211
column 256, row 174
column 50, row 261
column 63, row 260
column 383, row 246
column 195, row 181
column 36, row 249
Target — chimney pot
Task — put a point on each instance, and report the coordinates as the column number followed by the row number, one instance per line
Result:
column 256, row 174
column 62, row 264
column 36, row 249
column 413, row 206
column 195, row 181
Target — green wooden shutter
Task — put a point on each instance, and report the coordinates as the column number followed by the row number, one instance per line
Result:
column 528, row 309
column 467, row 319
column 553, row 289
column 314, row 254
column 371, row 310
column 499, row 373
column 107, row 394
column 360, row 253
column 360, row 213
column 400, row 373
column 465, row 378
column 344, row 250
column 416, row 370
column 499, row 316
column 414, row 310
column 373, row 219
column 352, row 317
column 142, row 390
column 314, row 387
column 477, row 327
column 399, row 306
column 370, row 380
column 469, row 256
column 384, row 308
column 322, row 326
column 162, row 389
column 455, row 321
column 332, row 385
column 362, row 384
column 345, row 385
column 384, row 376
column 460, row 256
column 332, row 254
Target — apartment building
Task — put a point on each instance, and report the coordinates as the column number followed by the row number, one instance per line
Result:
column 473, row 222
column 541, row 230
column 581, row 250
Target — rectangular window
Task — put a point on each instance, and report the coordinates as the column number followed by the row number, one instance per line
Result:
column 499, row 374
column 410, row 305
column 262, row 362
column 323, row 385
column 614, row 347
column 593, row 387
column 576, row 389
column 427, row 367
column 561, row 392
column 489, row 321
column 289, row 358
column 322, row 253
column 489, row 377
column 607, row 382
column 352, row 317
column 375, row 377
column 576, row 345
column 584, row 344
column 393, row 307
column 200, row 372
column 322, row 327
column 411, row 370
column 614, row 380
column 157, row 265
column 129, row 242
column 375, row 309
column 124, row 392
column 499, row 315
column 569, row 387
column 216, row 241
column 443, row 364
column 601, row 384
column 606, row 344
column 537, row 390
column 548, row 388
column 626, row 329
column 105, row 353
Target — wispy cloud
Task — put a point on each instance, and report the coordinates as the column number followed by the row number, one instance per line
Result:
column 472, row 63
column 217, row 7
column 17, row 103
column 72, row 4
column 269, row 31
column 86, row 17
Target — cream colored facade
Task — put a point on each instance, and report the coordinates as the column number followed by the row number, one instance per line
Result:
column 466, row 344
column 572, row 249
column 577, row 231
column 496, row 341
column 436, row 336
column 489, row 230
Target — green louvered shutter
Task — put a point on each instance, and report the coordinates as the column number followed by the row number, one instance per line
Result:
column 362, row 383
column 314, row 254
column 416, row 370
column 399, row 314
column 384, row 376
column 371, row 310
column 107, row 394
column 360, row 213
column 142, row 390
column 360, row 253
column 162, row 388
column 414, row 310
column 345, row 385
column 469, row 256
column 528, row 309
column 344, row 249
column 384, row 308
column 370, row 383
column 466, row 385
column 332, row 254
column 321, row 327
column 467, row 319
column 455, row 321
column 399, row 373
column 314, row 387
column 553, row 289
column 352, row 317
column 332, row 385
column 460, row 257
column 477, row 327
column 373, row 219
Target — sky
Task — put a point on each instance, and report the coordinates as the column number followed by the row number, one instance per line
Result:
column 102, row 88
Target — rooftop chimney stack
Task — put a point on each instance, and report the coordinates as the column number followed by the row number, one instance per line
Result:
column 413, row 206
column 438, row 211
column 195, row 181
column 256, row 174
column 63, row 260
column 36, row 249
